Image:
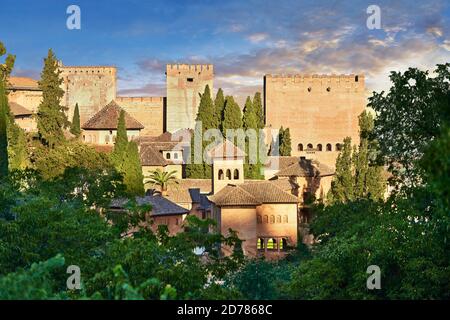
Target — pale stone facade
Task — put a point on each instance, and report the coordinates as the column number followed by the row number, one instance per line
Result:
column 92, row 87
column 184, row 83
column 319, row 110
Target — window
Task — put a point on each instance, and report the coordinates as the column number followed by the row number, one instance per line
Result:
column 283, row 243
column 329, row 89
column 319, row 147
column 228, row 174
column 329, row 147
column 266, row 219
column 300, row 147
column 190, row 79
column 168, row 156
column 260, row 244
column 285, row 219
column 259, row 218
column 272, row 219
column 278, row 219
column 271, row 244
column 220, row 174
column 236, row 174
column 84, row 137
column 107, row 139
column 310, row 146
column 338, row 147
column 309, row 89
column 175, row 156
column 356, row 78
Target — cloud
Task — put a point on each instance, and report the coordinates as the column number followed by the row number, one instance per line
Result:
column 257, row 37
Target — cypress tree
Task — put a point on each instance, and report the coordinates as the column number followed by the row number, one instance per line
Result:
column 51, row 116
column 219, row 105
column 121, row 143
column 250, row 119
column 3, row 132
column 257, row 105
column 285, row 142
column 75, row 128
column 342, row 184
column 132, row 171
column 232, row 115
column 206, row 110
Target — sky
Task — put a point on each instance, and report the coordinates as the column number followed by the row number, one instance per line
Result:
column 244, row 39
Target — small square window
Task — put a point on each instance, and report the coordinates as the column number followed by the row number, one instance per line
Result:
column 190, row 79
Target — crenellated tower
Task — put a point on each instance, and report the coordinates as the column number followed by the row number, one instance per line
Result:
column 184, row 83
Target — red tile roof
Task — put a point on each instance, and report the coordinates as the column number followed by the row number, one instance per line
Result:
column 108, row 117
column 19, row 110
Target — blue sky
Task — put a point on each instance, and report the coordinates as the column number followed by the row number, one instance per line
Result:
column 243, row 39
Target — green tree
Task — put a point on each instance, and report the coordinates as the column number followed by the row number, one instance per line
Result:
column 409, row 116
column 162, row 179
column 257, row 105
column 250, row 119
column 232, row 115
column 284, row 137
column 6, row 68
column 342, row 186
column 219, row 105
column 206, row 110
column 75, row 128
column 3, row 132
column 51, row 115
column 132, row 171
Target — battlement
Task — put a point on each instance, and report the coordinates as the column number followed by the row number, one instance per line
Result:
column 88, row 70
column 140, row 99
column 343, row 81
column 203, row 68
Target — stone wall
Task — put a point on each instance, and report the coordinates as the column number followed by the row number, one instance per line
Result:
column 318, row 110
column 30, row 99
column 183, row 84
column 92, row 87
column 147, row 110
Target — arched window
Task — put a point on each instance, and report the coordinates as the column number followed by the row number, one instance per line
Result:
column 329, row 147
column 278, row 219
column 283, row 243
column 285, row 219
column 107, row 139
column 168, row 156
column 260, row 244
column 220, row 174
column 319, row 147
column 310, row 146
column 271, row 244
column 84, row 137
column 272, row 219
column 259, row 218
column 266, row 219
column 300, row 147
column 228, row 174
column 338, row 147
column 175, row 156
column 236, row 174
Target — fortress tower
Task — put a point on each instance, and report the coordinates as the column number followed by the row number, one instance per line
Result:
column 319, row 110
column 92, row 87
column 184, row 83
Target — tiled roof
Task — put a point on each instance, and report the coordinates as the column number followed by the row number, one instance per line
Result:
column 306, row 168
column 183, row 191
column 232, row 195
column 280, row 162
column 226, row 149
column 252, row 193
column 160, row 205
column 108, row 117
column 151, row 156
column 284, row 184
column 19, row 110
column 23, row 82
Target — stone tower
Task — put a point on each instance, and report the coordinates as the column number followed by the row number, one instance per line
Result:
column 184, row 83
column 92, row 87
column 227, row 165
column 319, row 110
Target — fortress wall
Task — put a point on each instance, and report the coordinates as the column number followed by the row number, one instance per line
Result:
column 147, row 110
column 92, row 87
column 183, row 84
column 318, row 109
